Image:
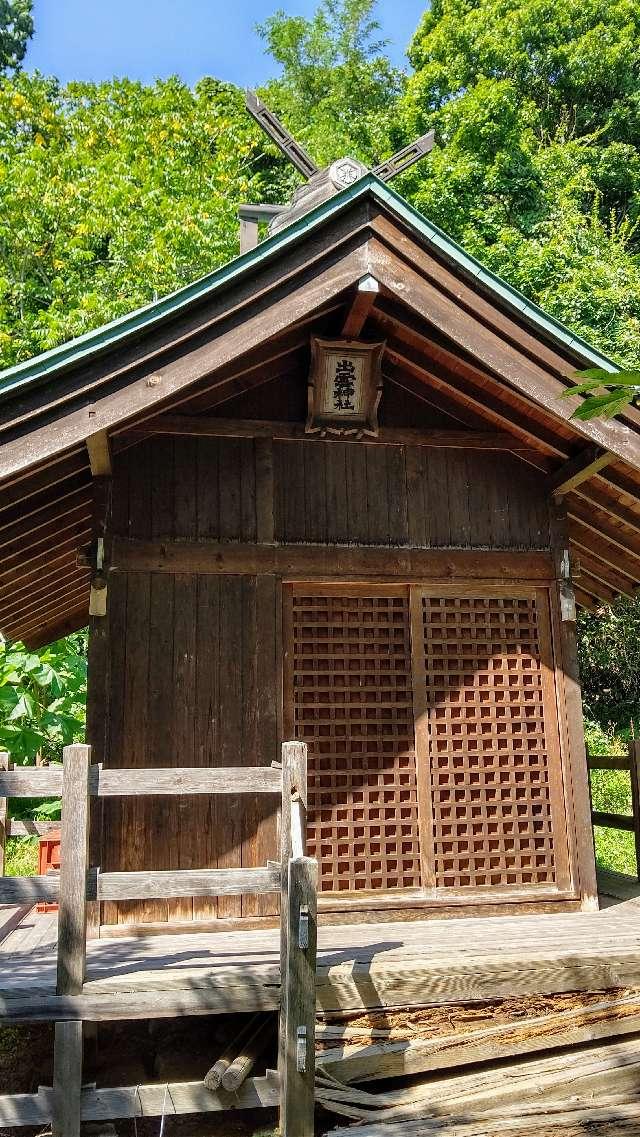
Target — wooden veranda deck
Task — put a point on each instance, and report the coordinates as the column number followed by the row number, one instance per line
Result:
column 359, row 966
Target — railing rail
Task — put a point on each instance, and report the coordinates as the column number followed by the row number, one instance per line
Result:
column 627, row 823
column 295, row 877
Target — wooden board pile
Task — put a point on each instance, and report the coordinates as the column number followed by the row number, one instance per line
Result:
column 564, row 1064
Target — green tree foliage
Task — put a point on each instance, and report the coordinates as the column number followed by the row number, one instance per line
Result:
column 16, row 29
column 42, row 698
column 338, row 90
column 113, row 194
column 609, row 645
column 536, row 107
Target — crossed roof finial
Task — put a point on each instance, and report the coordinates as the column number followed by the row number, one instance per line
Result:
column 344, row 170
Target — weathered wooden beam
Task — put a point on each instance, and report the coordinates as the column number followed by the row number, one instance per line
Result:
column 152, row 1100
column 74, row 863
column 572, row 726
column 297, row 1098
column 213, row 427
column 29, row 828
column 28, row 889
column 47, row 781
column 189, row 780
column 67, row 1080
column 226, row 994
column 321, row 561
column 31, row 781
column 578, row 469
column 402, row 1057
column 361, row 306
column 156, row 884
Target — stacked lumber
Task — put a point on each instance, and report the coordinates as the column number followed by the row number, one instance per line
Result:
column 387, row 1044
column 572, row 1091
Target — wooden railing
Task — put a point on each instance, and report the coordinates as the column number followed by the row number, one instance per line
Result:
column 295, row 877
column 628, row 763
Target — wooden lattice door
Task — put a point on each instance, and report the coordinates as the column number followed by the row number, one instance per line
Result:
column 488, row 740
column 350, row 699
column 434, row 750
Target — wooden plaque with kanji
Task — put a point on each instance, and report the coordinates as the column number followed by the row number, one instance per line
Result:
column 345, row 384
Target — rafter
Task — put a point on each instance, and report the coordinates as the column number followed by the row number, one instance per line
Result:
column 578, row 469
column 99, row 454
column 592, row 541
column 362, row 304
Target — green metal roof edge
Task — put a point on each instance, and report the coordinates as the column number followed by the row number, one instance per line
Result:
column 495, row 283
column 99, row 340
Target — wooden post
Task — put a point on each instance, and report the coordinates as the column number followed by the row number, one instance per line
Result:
column 4, row 765
column 567, row 657
column 634, row 768
column 297, row 1094
column 72, row 937
column 294, row 784
column 67, row 1079
column 74, row 859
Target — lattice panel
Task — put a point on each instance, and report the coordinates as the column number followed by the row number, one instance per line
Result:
column 489, row 765
column 353, row 707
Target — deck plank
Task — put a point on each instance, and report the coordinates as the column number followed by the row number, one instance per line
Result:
column 358, row 965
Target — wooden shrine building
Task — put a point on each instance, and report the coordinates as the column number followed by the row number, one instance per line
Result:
column 330, row 492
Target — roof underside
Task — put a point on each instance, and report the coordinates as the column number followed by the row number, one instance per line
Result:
column 455, row 338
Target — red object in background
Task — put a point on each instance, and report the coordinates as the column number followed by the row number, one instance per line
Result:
column 48, row 858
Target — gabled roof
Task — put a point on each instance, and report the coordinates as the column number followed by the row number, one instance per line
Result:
column 451, row 326
column 129, row 327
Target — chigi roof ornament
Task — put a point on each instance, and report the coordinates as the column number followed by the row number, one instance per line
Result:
column 320, row 184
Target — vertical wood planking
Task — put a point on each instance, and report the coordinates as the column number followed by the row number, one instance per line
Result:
column 397, row 493
column 417, row 498
column 160, row 694
column 359, row 509
column 74, row 845
column 570, row 703
column 367, row 496
column 247, row 490
column 208, row 496
column 229, row 488
column 269, row 665
column 207, row 727
column 336, row 482
column 265, row 501
column 249, row 726
column 230, row 829
column 315, row 457
column 187, row 811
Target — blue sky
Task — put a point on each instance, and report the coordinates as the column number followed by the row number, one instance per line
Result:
column 147, row 39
